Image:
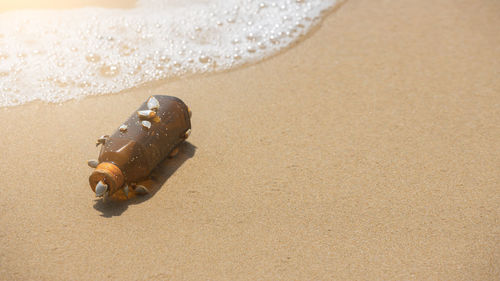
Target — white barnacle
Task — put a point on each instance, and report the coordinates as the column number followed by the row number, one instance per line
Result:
column 153, row 103
column 92, row 163
column 123, row 128
column 101, row 140
column 125, row 190
column 146, row 114
column 101, row 189
column 146, row 124
column 141, row 190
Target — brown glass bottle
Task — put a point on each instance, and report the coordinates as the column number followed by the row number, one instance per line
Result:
column 149, row 135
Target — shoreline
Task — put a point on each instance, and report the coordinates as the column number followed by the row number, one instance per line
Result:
column 126, row 60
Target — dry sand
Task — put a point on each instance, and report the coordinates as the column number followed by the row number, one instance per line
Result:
column 369, row 151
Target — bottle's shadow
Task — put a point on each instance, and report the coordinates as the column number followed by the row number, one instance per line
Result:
column 159, row 176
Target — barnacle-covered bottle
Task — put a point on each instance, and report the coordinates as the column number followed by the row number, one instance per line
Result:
column 150, row 134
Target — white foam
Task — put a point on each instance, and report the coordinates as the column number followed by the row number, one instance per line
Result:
column 55, row 56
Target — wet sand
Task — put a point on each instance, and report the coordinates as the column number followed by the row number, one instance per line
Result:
column 369, row 151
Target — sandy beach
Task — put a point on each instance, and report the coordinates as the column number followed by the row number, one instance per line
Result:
column 367, row 151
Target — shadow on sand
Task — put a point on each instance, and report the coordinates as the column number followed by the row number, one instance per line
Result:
column 159, row 176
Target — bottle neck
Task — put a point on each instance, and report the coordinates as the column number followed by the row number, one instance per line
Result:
column 109, row 174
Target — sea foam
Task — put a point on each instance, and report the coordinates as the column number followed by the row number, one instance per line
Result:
column 55, row 56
